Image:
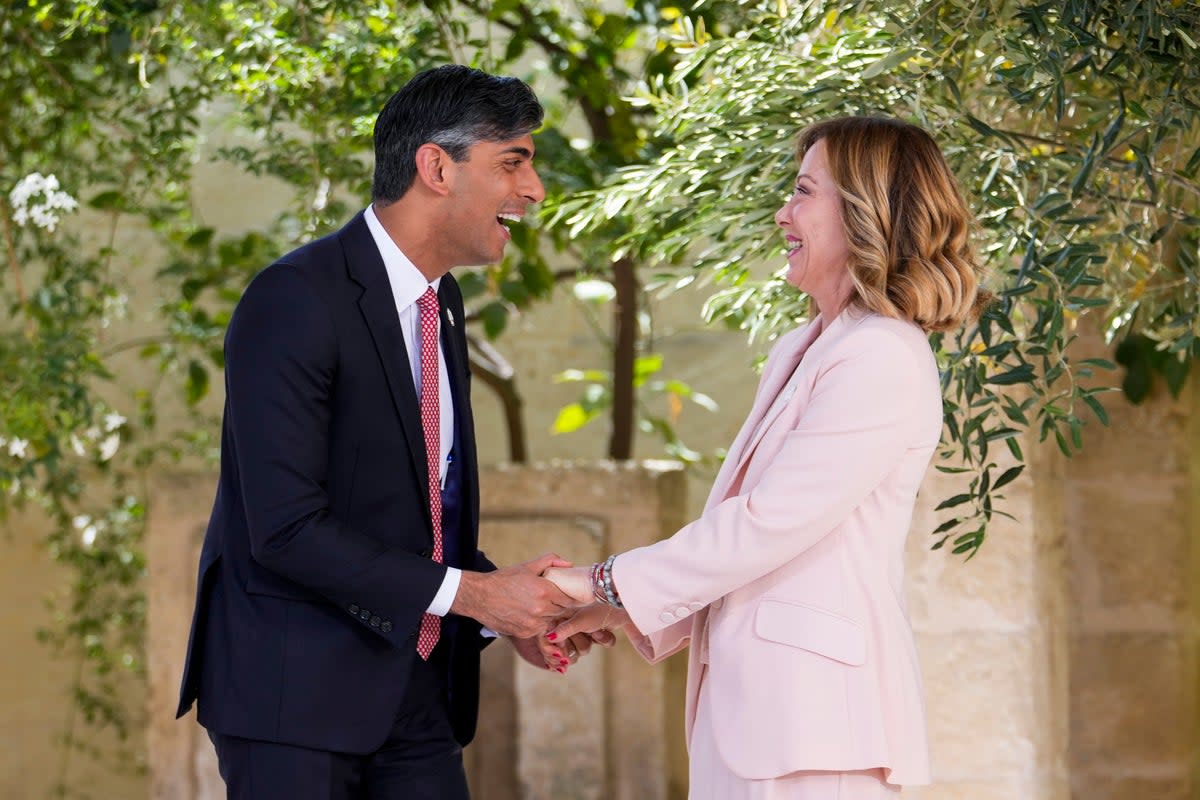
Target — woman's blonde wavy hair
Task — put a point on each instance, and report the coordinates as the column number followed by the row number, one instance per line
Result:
column 906, row 222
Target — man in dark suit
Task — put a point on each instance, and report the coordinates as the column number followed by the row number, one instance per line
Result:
column 334, row 651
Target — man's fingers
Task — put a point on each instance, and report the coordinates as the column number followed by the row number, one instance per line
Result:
column 578, row 646
column 603, row 637
column 545, row 562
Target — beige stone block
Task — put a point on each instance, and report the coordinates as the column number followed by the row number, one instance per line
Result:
column 183, row 765
column 972, row 790
column 611, row 728
column 1131, row 549
column 984, row 723
column 1132, row 788
column 1132, row 701
column 36, row 706
column 1145, row 440
column 995, row 589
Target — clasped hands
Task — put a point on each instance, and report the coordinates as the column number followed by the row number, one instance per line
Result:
column 544, row 606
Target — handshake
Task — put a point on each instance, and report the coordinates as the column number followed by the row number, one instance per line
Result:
column 545, row 606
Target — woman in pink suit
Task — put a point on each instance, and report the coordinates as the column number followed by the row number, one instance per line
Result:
column 803, row 680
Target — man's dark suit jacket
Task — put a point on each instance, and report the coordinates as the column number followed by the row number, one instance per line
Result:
column 315, row 572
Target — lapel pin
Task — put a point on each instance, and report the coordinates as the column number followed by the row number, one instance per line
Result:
column 450, row 317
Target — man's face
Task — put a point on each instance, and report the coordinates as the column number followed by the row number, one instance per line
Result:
column 493, row 187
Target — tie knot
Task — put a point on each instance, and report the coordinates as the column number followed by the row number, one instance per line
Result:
column 428, row 301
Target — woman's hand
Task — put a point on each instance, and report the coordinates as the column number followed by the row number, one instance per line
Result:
column 597, row 622
column 575, row 582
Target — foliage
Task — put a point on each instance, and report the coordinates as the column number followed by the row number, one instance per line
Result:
column 1074, row 129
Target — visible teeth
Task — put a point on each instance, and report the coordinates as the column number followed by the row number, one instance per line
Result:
column 794, row 246
column 509, row 217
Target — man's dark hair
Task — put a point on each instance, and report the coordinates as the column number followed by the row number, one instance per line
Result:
column 453, row 107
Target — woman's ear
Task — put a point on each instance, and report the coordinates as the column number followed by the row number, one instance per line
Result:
column 433, row 164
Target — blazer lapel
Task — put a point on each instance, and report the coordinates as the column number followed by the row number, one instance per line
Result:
column 378, row 308
column 778, row 387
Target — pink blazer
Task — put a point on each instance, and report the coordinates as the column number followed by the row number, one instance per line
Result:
column 790, row 586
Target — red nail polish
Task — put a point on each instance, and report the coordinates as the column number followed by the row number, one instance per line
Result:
column 561, row 670
column 552, row 636
column 556, row 654
column 564, row 662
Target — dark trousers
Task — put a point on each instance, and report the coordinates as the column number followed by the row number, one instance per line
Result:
column 420, row 760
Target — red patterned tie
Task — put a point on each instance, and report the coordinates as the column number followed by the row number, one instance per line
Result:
column 431, row 625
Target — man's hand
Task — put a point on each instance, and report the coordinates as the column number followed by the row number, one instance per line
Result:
column 515, row 601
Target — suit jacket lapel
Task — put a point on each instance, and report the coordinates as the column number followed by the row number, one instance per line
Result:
column 378, row 308
column 778, row 386
column 457, row 367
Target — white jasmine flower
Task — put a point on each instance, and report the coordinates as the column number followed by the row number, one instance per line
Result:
column 88, row 536
column 108, row 448
column 112, row 421
column 77, row 446
column 44, row 213
column 17, row 448
column 322, row 197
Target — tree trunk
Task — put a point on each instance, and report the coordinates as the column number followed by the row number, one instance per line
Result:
column 625, row 336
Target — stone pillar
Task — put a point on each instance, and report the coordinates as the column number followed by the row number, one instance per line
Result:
column 612, row 728
column 183, row 765
column 1133, row 510
column 992, row 638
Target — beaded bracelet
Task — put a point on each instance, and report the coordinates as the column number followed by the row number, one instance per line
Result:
column 598, row 583
column 610, row 591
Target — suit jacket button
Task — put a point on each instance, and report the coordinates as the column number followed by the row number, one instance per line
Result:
column 666, row 616
column 354, row 609
column 364, row 615
column 426, row 553
column 695, row 606
column 681, row 613
column 386, row 627
column 375, row 622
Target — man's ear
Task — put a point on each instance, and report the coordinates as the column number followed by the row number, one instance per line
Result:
column 433, row 167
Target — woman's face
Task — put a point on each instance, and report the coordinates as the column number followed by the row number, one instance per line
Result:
column 817, row 251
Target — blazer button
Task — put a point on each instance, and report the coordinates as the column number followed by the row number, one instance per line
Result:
column 695, row 606
column 354, row 609
column 681, row 613
column 375, row 622
column 364, row 615
column 386, row 627
column 666, row 616
column 425, row 553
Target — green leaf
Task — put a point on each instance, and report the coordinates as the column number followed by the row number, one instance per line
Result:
column 494, row 316
column 197, row 382
column 956, row 500
column 1021, row 374
column 571, row 418
column 1008, row 476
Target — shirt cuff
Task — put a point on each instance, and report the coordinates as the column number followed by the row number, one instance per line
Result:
column 488, row 633
column 444, row 598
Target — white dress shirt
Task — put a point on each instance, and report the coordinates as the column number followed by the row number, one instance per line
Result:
column 408, row 284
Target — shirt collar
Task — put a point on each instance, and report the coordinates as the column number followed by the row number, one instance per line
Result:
column 407, row 282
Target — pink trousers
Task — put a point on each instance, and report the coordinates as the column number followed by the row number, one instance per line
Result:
column 710, row 779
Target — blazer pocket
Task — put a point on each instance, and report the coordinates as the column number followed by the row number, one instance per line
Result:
column 810, row 628
column 281, row 588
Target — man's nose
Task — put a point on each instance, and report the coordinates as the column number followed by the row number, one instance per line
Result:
column 532, row 190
